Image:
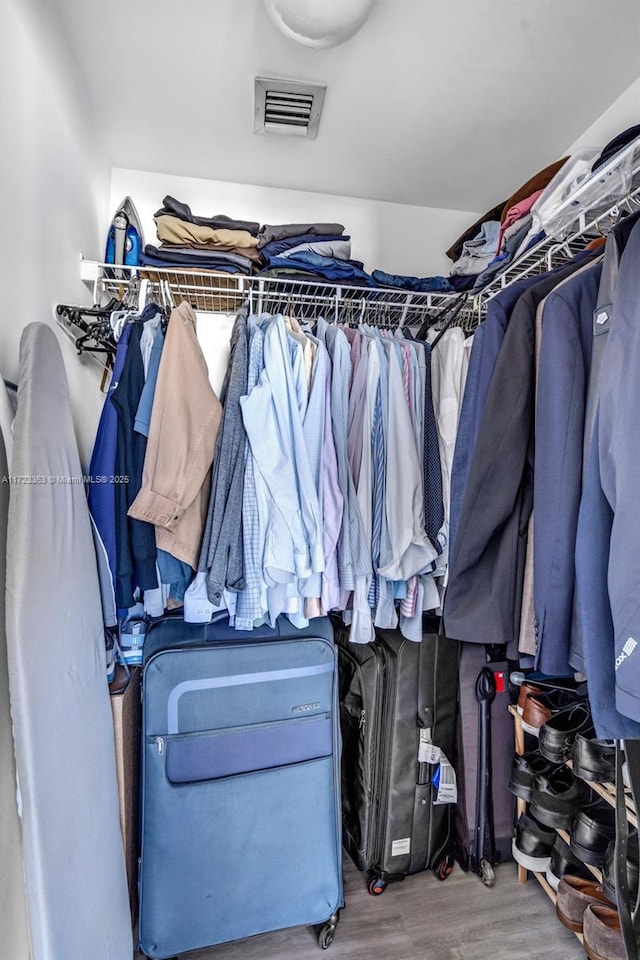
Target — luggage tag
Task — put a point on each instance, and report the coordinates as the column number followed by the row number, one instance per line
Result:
column 428, row 752
column 444, row 780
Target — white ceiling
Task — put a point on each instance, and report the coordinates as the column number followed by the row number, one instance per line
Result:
column 443, row 103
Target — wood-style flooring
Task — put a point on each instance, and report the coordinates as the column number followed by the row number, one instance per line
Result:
column 422, row 918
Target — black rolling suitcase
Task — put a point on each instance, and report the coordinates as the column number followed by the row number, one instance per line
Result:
column 484, row 754
column 395, row 694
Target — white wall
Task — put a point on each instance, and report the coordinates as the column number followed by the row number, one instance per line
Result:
column 394, row 237
column 53, row 188
column 623, row 113
column 53, row 192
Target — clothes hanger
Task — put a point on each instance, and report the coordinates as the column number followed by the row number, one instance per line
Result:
column 432, row 321
column 99, row 331
column 599, row 228
column 74, row 314
column 449, row 321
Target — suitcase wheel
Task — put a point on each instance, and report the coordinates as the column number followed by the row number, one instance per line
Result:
column 328, row 932
column 487, row 874
column 444, row 868
column 376, row 886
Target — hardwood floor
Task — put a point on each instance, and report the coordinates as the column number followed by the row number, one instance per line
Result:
column 424, row 919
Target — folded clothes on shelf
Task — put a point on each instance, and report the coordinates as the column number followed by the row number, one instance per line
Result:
column 277, row 247
column 478, row 252
column 412, row 284
column 195, row 260
column 148, row 260
column 247, row 253
column 535, row 183
column 336, row 249
column 349, row 271
column 288, row 273
column 173, row 230
column 455, row 250
column 282, row 231
column 172, row 207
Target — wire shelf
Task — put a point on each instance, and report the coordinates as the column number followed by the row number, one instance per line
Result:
column 212, row 292
column 588, row 212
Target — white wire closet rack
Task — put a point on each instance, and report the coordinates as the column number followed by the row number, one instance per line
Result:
column 586, row 213
column 212, row 292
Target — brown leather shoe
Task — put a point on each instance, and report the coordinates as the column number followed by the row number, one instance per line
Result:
column 602, row 934
column 525, row 690
column 574, row 896
column 541, row 707
column 534, row 713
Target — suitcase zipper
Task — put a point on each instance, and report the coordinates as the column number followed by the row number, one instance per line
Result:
column 372, row 772
column 161, row 741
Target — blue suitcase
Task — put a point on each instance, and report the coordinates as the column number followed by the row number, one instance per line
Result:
column 240, row 784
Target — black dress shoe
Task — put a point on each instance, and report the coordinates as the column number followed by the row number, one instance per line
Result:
column 564, row 864
column 591, row 832
column 594, row 759
column 537, row 708
column 557, row 797
column 525, row 769
column 558, row 734
column 608, row 869
column 532, row 844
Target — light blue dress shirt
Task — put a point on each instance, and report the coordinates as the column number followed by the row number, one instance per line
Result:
column 274, row 427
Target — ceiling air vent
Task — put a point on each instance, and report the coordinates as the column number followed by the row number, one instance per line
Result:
column 287, row 106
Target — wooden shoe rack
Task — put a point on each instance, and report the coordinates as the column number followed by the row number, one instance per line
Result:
column 605, row 790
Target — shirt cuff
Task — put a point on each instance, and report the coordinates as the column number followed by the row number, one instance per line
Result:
column 156, row 509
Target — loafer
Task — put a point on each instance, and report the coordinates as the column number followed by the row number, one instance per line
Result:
column 609, row 867
column 594, row 760
column 593, row 828
column 557, row 797
column 563, row 864
column 525, row 689
column 532, row 844
column 539, row 708
column 574, row 896
column 524, row 769
column 557, row 735
column 602, row 934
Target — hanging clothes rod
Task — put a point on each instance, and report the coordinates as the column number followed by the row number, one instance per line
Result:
column 221, row 293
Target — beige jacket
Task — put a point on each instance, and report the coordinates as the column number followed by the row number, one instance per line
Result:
column 182, row 436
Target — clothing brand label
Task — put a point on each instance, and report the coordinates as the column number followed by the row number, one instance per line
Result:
column 627, row 650
column 305, row 707
column 601, row 319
